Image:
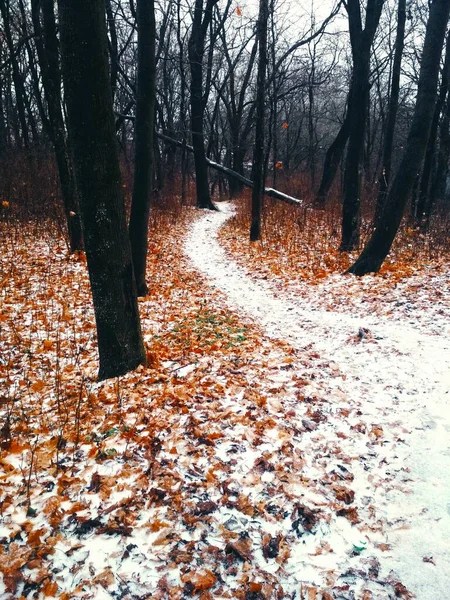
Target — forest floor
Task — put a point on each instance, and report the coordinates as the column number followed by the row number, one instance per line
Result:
column 289, row 438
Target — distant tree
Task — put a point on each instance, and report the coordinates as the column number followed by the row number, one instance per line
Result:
column 361, row 43
column 91, row 124
column 333, row 158
column 196, row 49
column 144, row 139
column 392, row 109
column 437, row 191
column 19, row 86
column 424, row 202
column 240, row 110
column 258, row 170
column 47, row 47
column 379, row 245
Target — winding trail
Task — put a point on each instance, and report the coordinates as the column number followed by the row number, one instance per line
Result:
column 401, row 376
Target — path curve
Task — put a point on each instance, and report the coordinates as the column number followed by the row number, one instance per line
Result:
column 404, row 374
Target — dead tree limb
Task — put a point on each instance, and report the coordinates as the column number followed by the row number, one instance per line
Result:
column 247, row 182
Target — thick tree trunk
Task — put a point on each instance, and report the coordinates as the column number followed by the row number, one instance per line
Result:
column 92, row 134
column 144, row 137
column 379, row 245
column 48, row 55
column 258, row 171
column 361, row 42
column 196, row 48
column 392, row 110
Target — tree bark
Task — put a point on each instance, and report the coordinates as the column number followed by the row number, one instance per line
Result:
column 84, row 53
column 392, row 110
column 379, row 245
column 423, row 203
column 144, row 136
column 440, row 177
column 361, row 42
column 48, row 55
column 196, row 49
column 258, row 170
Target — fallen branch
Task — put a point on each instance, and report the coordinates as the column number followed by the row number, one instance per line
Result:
column 218, row 167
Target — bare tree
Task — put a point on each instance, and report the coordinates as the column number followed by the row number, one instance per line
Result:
column 47, row 47
column 423, row 207
column 379, row 245
column 258, row 171
column 144, row 139
column 92, row 133
column 196, row 48
column 392, row 109
column 361, row 42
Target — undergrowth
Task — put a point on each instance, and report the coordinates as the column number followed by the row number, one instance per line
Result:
column 303, row 243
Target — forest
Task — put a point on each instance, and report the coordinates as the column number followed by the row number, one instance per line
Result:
column 224, row 299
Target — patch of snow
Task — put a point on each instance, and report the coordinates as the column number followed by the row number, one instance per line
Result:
column 397, row 375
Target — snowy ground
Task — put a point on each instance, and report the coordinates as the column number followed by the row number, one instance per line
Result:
column 279, row 445
column 394, row 372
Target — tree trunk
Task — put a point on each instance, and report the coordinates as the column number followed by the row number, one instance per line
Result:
column 48, row 55
column 33, row 75
column 258, row 170
column 84, row 51
column 440, row 178
column 361, row 42
column 183, row 127
column 144, row 136
column 3, row 133
column 196, row 48
column 113, row 47
column 392, row 110
column 423, row 202
column 333, row 158
column 16, row 76
column 379, row 245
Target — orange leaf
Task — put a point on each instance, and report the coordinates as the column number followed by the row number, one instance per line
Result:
column 201, row 580
column 38, row 386
column 34, row 537
column 50, row 588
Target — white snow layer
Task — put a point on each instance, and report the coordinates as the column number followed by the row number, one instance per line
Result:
column 401, row 376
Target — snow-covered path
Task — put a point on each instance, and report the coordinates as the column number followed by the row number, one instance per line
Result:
column 399, row 378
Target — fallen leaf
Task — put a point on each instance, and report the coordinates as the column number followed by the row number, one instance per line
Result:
column 240, row 548
column 198, row 581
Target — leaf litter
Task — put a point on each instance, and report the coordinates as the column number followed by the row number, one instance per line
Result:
column 236, row 465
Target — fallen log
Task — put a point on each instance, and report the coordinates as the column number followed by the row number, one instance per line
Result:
column 218, row 167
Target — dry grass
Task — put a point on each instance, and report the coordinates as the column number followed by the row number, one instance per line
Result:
column 303, row 243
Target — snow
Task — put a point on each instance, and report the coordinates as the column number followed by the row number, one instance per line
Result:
column 291, row 434
column 397, row 375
